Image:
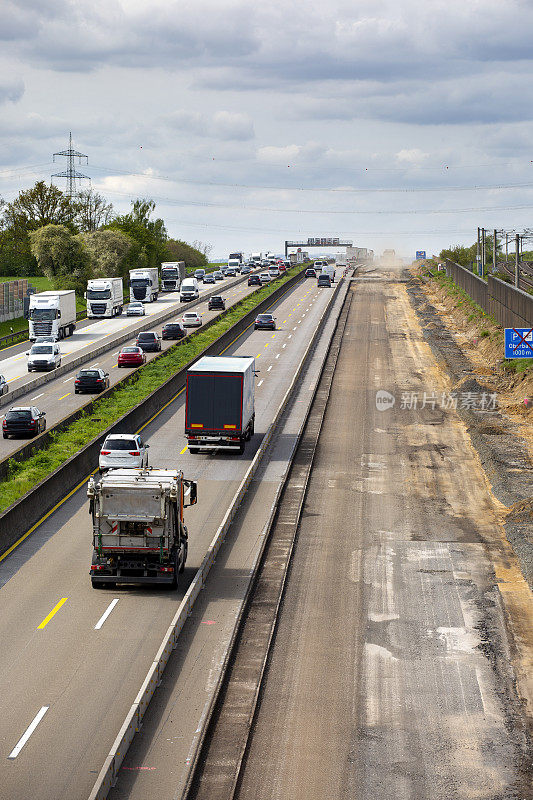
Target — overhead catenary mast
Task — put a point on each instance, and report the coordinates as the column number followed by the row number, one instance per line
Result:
column 71, row 174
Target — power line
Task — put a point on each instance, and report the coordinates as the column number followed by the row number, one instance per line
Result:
column 341, row 190
column 208, row 204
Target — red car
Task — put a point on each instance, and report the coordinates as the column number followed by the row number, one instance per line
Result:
column 131, row 357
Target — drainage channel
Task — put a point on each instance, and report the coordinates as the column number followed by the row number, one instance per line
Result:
column 219, row 764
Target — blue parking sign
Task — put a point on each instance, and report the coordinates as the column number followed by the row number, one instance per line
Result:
column 420, row 254
column 519, row 343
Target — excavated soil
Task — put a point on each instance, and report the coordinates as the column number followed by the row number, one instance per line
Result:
column 471, row 352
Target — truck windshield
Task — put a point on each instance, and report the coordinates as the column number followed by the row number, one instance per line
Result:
column 98, row 294
column 43, row 313
column 140, row 282
column 169, row 272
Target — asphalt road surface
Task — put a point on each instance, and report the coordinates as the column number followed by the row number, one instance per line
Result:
column 91, row 334
column 72, row 659
column 57, row 397
column 391, row 676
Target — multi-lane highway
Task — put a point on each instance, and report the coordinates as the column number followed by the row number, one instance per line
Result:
column 57, row 396
column 73, row 659
column 91, row 334
column 394, row 670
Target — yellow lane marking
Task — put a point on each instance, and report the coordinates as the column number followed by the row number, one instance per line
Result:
column 257, row 356
column 184, row 450
column 273, row 335
column 284, row 321
column 65, row 395
column 55, row 609
column 266, row 344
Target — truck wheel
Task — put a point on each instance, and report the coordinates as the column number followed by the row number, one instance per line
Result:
column 241, row 447
column 71, row 330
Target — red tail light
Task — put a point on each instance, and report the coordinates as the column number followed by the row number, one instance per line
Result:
column 96, row 567
column 4, row 424
column 105, row 452
column 77, row 381
column 134, row 453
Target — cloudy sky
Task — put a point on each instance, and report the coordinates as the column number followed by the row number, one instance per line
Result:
column 390, row 122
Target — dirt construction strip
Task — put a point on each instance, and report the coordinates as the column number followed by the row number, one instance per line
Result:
column 399, row 668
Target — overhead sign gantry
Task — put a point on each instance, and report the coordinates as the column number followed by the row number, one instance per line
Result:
column 313, row 241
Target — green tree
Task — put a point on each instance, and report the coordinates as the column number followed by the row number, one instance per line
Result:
column 108, row 251
column 149, row 235
column 62, row 257
column 92, row 211
column 181, row 251
column 41, row 205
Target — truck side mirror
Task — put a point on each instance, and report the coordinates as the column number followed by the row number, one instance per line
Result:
column 193, row 492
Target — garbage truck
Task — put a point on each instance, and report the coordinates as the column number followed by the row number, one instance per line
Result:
column 139, row 534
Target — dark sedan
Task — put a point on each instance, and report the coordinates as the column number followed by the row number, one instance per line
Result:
column 265, row 322
column 253, row 280
column 209, row 278
column 231, row 273
column 4, row 388
column 310, row 273
column 23, row 421
column 91, row 380
column 149, row 341
column 131, row 357
column 216, row 302
column 173, row 330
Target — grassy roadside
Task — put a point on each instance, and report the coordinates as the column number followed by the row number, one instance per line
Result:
column 23, row 475
column 19, row 323
column 487, row 326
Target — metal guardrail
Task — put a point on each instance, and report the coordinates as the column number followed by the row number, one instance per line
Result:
column 22, row 335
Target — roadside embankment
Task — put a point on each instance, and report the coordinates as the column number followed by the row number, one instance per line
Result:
column 494, row 398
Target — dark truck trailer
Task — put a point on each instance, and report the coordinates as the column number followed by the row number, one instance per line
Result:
column 219, row 404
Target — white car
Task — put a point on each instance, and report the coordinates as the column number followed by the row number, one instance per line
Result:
column 274, row 272
column 135, row 310
column 44, row 356
column 264, row 277
column 191, row 319
column 123, row 450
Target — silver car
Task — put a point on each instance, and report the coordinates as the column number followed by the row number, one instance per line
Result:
column 123, row 450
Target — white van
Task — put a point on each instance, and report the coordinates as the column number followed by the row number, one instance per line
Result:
column 189, row 290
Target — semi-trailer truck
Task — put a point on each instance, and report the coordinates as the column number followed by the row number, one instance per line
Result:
column 105, row 297
column 144, row 284
column 172, row 274
column 139, row 534
column 219, row 403
column 257, row 259
column 236, row 257
column 52, row 314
